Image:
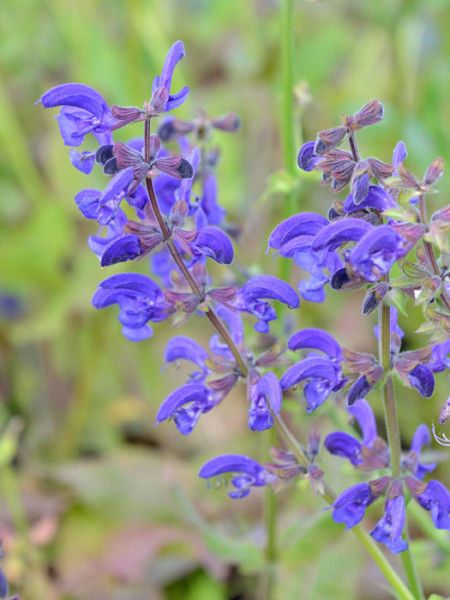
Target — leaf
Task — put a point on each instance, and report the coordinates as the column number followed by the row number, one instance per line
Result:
column 399, row 299
column 234, row 550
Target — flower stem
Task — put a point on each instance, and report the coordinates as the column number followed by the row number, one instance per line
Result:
column 429, row 250
column 393, row 433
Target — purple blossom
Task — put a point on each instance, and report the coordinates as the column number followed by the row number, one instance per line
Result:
column 421, row 377
column 321, row 374
column 173, row 57
column 390, row 527
column 83, row 161
column 376, row 198
column 83, row 111
column 103, row 206
column 307, row 160
column 294, row 238
column 252, row 298
column 347, row 446
column 436, row 499
column 248, row 473
column 376, row 252
column 350, row 506
column 140, row 300
column 318, row 340
column 265, row 397
column 440, row 357
column 213, row 243
column 339, row 232
column 185, row 405
column 421, row 438
column 185, row 348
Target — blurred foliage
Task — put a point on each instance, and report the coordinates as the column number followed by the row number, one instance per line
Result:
column 95, row 502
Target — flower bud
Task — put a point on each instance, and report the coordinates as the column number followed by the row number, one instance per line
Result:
column 434, row 171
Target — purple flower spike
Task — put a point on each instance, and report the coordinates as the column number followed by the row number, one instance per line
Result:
column 323, row 376
column 173, row 57
column 317, row 339
column 140, row 300
column 251, row 298
column 84, row 110
column 215, row 244
column 185, row 405
column 389, row 528
column 376, row 252
column 264, row 395
column 338, row 232
column 350, row 506
column 436, row 499
column 306, row 158
column 422, row 378
column 249, row 473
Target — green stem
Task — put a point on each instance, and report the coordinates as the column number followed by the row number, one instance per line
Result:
column 410, row 569
column 390, row 409
column 393, row 434
column 11, row 493
column 270, row 518
column 366, row 540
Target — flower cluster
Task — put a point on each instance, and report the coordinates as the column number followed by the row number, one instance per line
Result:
column 372, row 454
column 165, row 205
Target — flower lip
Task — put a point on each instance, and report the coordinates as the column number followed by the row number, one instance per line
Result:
column 336, row 233
column 191, row 392
column 317, row 339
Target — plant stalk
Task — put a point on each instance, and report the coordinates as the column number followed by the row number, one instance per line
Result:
column 393, row 433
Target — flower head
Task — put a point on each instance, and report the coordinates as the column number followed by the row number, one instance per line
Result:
column 140, row 300
column 248, row 473
column 170, row 101
column 390, row 527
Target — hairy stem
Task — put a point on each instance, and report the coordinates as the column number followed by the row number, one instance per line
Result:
column 429, row 250
column 393, row 433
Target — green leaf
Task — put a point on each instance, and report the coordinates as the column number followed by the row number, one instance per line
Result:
column 399, row 299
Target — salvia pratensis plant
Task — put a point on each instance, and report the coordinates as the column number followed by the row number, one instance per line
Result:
column 376, row 236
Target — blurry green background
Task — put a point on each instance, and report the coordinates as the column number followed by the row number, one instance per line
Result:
column 94, row 501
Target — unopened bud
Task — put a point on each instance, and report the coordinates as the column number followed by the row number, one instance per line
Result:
column 369, row 114
column 328, row 139
column 434, row 171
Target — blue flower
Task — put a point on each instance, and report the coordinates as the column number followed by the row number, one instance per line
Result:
column 265, row 396
column 252, row 298
column 321, row 374
column 174, row 55
column 248, row 473
column 185, row 348
column 347, row 446
column 83, row 111
column 376, row 252
column 436, row 499
column 185, row 405
column 350, row 506
column 421, row 438
column 390, row 527
column 294, row 238
column 103, row 206
column 140, row 300
column 376, row 198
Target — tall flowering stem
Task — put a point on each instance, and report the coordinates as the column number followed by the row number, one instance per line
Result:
column 213, row 318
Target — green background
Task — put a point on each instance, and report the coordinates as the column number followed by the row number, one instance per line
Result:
column 95, row 502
